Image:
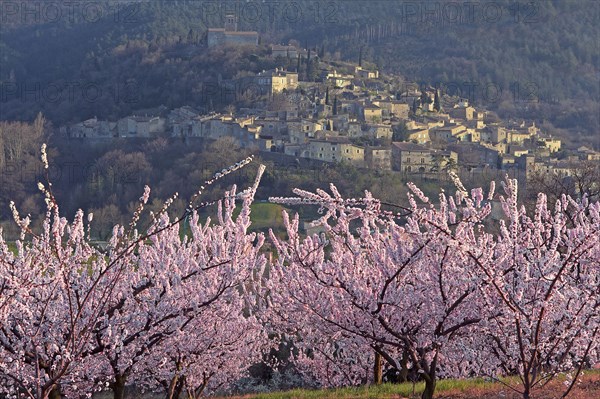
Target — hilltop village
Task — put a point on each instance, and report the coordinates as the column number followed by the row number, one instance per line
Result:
column 349, row 113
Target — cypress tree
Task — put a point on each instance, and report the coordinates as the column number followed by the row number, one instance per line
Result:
column 360, row 57
column 335, row 105
column 308, row 68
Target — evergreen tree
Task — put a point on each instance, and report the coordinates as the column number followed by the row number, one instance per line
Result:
column 436, row 102
column 308, row 68
column 360, row 57
column 424, row 97
column 335, row 104
column 399, row 132
column 327, row 96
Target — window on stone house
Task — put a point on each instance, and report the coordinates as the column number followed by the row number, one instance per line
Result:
column 422, row 160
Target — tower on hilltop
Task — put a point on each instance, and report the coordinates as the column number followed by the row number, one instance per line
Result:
column 230, row 23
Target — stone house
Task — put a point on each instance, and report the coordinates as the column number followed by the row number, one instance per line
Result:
column 446, row 134
column 380, row 131
column 350, row 107
column 553, row 145
column 341, row 122
column 497, row 134
column 180, row 121
column 587, row 154
column 392, row 108
column 276, row 81
column 217, row 126
column 272, row 125
column 474, row 155
column 301, row 130
column 230, row 35
column 140, row 126
column 362, row 73
column 338, row 80
column 92, row 128
column 410, row 157
column 517, row 137
column 414, row 158
column 336, row 149
column 420, row 136
column 379, row 158
column 371, row 113
column 465, row 113
column 559, row 168
column 355, row 129
column 278, row 51
column 518, row 150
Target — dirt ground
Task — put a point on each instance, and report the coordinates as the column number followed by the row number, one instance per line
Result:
column 589, row 388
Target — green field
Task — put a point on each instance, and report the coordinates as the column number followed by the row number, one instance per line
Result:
column 451, row 388
column 265, row 216
column 377, row 391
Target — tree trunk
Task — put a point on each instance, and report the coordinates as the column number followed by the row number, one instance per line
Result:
column 378, row 369
column 403, row 377
column 179, row 387
column 55, row 393
column 526, row 380
column 118, row 386
column 430, row 380
column 196, row 393
column 429, row 389
column 172, row 385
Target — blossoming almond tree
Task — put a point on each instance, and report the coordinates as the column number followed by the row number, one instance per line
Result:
column 542, row 277
column 214, row 350
column 369, row 284
column 443, row 289
column 180, row 294
column 53, row 299
column 70, row 311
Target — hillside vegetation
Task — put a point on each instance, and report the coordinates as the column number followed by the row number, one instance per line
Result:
column 543, row 56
